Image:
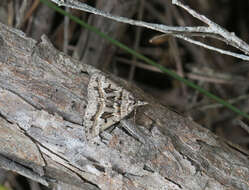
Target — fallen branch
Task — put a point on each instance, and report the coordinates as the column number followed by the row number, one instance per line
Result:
column 43, row 97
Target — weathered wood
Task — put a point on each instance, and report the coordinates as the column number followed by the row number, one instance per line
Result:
column 43, row 97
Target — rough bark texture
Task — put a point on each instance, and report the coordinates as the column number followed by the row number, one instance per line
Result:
column 42, row 104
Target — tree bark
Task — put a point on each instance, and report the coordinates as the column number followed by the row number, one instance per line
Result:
column 43, row 97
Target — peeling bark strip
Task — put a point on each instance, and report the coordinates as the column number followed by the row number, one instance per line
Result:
column 43, row 100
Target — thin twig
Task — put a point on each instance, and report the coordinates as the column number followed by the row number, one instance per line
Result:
column 243, row 125
column 174, row 49
column 66, row 27
column 10, row 13
column 20, row 13
column 139, row 64
column 230, row 38
column 137, row 41
column 30, row 12
column 213, row 30
column 231, row 101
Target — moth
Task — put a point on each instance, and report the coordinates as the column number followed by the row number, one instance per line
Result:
column 108, row 103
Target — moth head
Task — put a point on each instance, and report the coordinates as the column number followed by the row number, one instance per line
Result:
column 141, row 103
column 129, row 102
column 135, row 103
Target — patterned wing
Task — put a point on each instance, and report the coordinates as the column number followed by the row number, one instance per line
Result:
column 108, row 103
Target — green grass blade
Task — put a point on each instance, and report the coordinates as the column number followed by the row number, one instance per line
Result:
column 3, row 188
column 147, row 60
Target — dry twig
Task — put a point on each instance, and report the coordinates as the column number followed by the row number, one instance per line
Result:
column 213, row 30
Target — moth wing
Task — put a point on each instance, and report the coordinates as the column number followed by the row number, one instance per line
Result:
column 92, row 106
column 108, row 103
